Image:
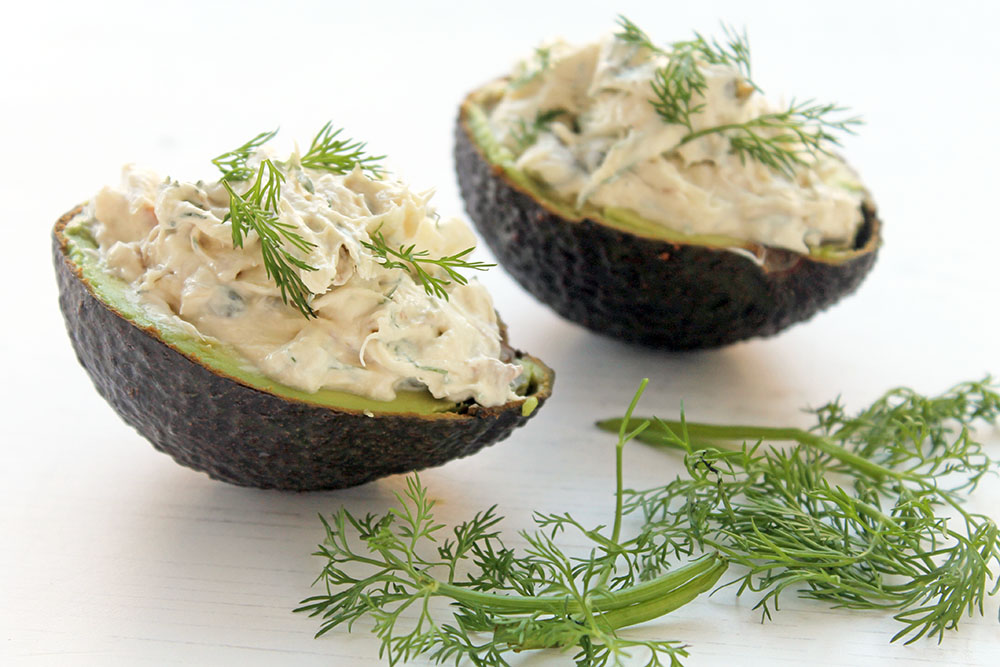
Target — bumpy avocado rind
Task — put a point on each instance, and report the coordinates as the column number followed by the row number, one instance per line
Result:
column 247, row 436
column 660, row 293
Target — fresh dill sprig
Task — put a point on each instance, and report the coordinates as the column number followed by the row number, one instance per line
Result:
column 633, row 34
column 233, row 164
column 779, row 140
column 339, row 156
column 411, row 260
column 390, row 569
column 542, row 62
column 734, row 51
column 679, row 85
column 256, row 208
column 526, row 134
column 881, row 541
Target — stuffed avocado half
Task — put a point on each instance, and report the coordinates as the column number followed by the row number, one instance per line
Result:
column 303, row 324
column 655, row 195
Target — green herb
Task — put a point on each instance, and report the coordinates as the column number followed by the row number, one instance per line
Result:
column 411, row 260
column 779, row 140
column 525, row 134
column 734, row 51
column 543, row 60
column 855, row 514
column 501, row 602
column 633, row 34
column 256, row 208
column 680, row 83
column 339, row 156
column 233, row 164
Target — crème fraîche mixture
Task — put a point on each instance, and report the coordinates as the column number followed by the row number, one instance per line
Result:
column 603, row 146
column 377, row 330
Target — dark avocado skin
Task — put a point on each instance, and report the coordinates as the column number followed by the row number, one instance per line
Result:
column 244, row 436
column 653, row 292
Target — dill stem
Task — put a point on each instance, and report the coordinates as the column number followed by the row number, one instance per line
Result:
column 716, row 129
column 664, row 604
column 719, row 129
column 714, row 433
column 638, row 604
column 623, row 437
column 619, row 486
column 678, row 582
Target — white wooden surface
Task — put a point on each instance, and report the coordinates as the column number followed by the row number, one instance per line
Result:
column 110, row 554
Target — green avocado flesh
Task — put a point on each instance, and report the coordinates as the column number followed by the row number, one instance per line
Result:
column 619, row 218
column 225, row 361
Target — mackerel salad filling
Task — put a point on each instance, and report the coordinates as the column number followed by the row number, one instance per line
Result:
column 377, row 330
column 578, row 121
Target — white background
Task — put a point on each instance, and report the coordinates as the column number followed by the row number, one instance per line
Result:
column 112, row 554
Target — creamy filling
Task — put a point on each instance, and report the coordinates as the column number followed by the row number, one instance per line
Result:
column 377, row 330
column 580, row 122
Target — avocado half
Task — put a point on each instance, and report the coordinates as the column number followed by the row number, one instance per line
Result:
column 620, row 276
column 194, row 400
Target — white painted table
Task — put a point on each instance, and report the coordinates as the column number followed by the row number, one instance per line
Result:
column 113, row 555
